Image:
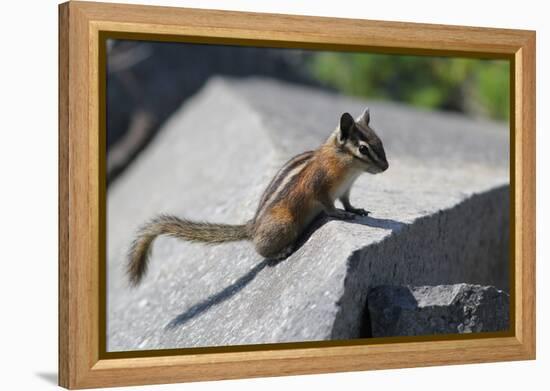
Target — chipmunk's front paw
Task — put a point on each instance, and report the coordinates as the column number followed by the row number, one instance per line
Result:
column 360, row 211
column 342, row 214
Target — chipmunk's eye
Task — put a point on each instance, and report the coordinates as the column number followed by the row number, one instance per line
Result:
column 363, row 150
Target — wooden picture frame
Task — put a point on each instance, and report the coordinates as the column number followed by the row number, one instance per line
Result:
column 83, row 26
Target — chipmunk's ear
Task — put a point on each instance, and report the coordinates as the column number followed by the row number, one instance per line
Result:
column 365, row 117
column 346, row 123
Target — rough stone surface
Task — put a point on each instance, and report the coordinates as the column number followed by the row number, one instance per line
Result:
column 441, row 309
column 439, row 215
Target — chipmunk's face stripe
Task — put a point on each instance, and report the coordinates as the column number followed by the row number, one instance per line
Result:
column 365, row 150
column 372, row 155
column 292, row 168
column 379, row 152
column 372, row 146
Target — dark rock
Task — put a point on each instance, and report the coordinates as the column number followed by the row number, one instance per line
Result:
column 442, row 309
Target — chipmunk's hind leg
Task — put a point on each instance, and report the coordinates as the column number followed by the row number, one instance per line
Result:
column 284, row 253
column 274, row 240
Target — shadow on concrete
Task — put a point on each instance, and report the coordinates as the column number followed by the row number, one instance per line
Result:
column 243, row 281
column 220, row 296
column 387, row 224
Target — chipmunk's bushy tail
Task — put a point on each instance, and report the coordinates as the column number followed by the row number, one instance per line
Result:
column 138, row 255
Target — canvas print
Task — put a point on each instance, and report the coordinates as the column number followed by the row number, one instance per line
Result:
column 275, row 195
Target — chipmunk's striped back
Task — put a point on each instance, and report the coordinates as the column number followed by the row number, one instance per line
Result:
column 282, row 179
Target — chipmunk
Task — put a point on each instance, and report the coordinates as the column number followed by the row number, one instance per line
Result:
column 305, row 186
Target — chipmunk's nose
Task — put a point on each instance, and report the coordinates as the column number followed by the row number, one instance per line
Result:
column 384, row 165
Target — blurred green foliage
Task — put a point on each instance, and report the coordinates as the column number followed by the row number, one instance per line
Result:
column 473, row 86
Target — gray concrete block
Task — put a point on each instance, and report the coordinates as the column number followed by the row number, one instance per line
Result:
column 439, row 215
column 442, row 309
